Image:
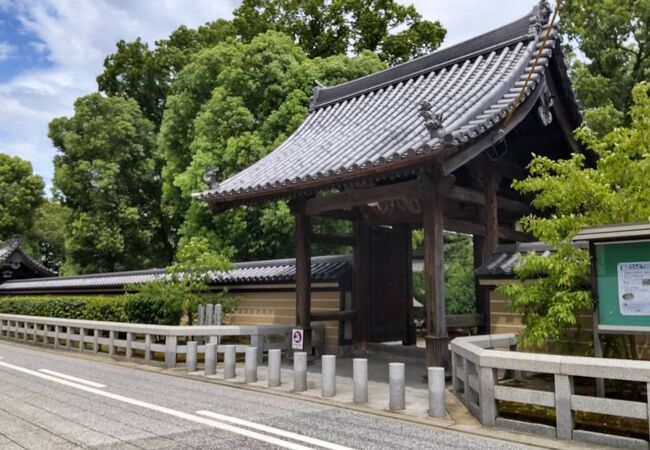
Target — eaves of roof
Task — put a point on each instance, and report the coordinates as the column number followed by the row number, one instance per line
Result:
column 374, row 126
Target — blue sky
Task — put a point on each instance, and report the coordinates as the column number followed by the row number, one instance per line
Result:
column 51, row 51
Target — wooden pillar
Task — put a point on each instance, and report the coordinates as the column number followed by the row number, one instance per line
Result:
column 484, row 246
column 361, row 282
column 303, row 273
column 434, row 279
column 411, row 336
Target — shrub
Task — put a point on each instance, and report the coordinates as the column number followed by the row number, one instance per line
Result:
column 104, row 308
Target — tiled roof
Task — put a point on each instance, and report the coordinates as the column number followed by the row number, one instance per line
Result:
column 502, row 261
column 323, row 268
column 375, row 124
column 11, row 247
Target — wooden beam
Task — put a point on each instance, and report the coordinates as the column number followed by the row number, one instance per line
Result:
column 561, row 114
column 434, row 280
column 356, row 197
column 337, row 215
column 361, row 283
column 467, row 195
column 476, row 229
column 320, row 238
column 464, row 320
column 490, row 213
column 303, row 273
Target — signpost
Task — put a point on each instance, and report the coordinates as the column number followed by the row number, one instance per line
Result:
column 297, row 338
column 620, row 280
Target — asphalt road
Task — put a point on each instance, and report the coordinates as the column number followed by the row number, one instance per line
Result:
column 111, row 406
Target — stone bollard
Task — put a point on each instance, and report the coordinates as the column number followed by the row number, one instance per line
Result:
column 360, row 380
column 396, row 385
column 436, row 391
column 329, row 376
column 275, row 357
column 210, row 359
column 229, row 361
column 251, row 364
column 218, row 312
column 299, row 371
column 190, row 356
column 209, row 314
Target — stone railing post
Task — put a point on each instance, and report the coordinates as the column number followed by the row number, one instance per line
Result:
column 191, row 356
column 229, row 364
column 563, row 417
column 328, row 388
column 170, row 351
column 396, row 375
column 436, row 391
column 487, row 403
column 274, row 372
column 210, row 359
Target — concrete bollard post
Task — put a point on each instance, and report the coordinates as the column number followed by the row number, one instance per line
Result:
column 201, row 315
column 360, row 380
column 191, row 356
column 436, row 391
column 217, row 314
column 329, row 376
column 229, row 362
column 210, row 359
column 299, row 371
column 396, row 374
column 275, row 356
column 209, row 314
column 251, row 365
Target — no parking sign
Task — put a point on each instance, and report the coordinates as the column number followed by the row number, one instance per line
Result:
column 297, row 336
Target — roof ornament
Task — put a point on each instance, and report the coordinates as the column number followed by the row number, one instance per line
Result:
column 432, row 120
column 210, row 177
column 545, row 105
column 540, row 16
column 315, row 90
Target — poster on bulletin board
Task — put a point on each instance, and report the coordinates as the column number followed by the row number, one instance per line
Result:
column 623, row 282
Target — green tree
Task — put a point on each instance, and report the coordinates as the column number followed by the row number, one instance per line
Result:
column 49, row 231
column 229, row 107
column 324, row 28
column 145, row 75
column 613, row 36
column 106, row 173
column 553, row 290
column 21, row 192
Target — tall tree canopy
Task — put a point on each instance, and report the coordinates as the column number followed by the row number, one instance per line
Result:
column 554, row 290
column 321, row 28
column 106, row 173
column 229, row 107
column 324, row 28
column 21, row 192
column 614, row 36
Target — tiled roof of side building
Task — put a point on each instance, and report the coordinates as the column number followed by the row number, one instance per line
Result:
column 324, row 268
column 376, row 124
column 502, row 262
column 12, row 247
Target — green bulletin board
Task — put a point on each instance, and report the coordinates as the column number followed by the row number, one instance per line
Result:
column 623, row 282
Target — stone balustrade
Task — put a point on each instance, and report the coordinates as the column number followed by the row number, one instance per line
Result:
column 479, row 369
column 142, row 342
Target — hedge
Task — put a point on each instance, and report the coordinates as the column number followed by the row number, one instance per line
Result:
column 119, row 308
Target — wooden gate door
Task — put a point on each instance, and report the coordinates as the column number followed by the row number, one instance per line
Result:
column 391, row 301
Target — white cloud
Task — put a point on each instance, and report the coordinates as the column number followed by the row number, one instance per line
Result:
column 6, row 49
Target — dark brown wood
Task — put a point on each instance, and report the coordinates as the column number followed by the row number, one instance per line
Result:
column 333, row 315
column 356, row 197
column 319, row 238
column 464, row 320
column 476, row 197
column 434, row 281
column 561, row 115
column 490, row 211
column 303, row 273
column 361, row 282
column 337, row 215
column 481, row 293
column 411, row 336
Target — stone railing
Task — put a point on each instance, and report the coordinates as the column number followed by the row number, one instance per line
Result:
column 479, row 369
column 141, row 342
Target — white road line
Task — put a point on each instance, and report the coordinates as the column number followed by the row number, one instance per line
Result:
column 71, row 378
column 161, row 409
column 272, row 430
